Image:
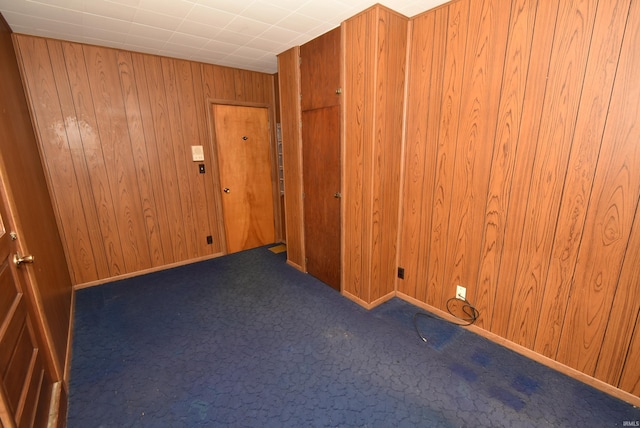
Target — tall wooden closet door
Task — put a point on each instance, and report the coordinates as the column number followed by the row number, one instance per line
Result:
column 320, row 105
column 321, row 159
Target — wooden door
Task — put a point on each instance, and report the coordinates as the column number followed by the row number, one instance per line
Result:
column 320, row 105
column 244, row 165
column 321, row 160
column 25, row 385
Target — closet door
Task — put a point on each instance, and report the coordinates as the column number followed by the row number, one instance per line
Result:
column 321, row 158
column 320, row 102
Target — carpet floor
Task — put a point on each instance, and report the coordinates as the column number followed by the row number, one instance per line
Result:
column 247, row 341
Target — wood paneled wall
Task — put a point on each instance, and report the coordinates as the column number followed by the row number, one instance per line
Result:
column 374, row 56
column 521, row 175
column 115, row 129
column 291, row 117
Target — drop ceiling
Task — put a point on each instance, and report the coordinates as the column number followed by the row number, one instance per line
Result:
column 246, row 34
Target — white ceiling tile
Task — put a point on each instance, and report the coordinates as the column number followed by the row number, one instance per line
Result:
column 176, row 8
column 180, row 49
column 159, row 20
column 241, row 33
column 148, row 32
column 198, row 29
column 231, row 6
column 109, row 9
column 67, row 4
column 265, row 12
column 247, row 52
column 43, row 24
column 299, row 23
column 238, row 39
column 267, row 45
column 94, row 21
column 219, row 47
column 208, row 16
column 105, row 35
column 188, row 40
column 325, row 10
column 132, row 3
column 46, row 11
column 151, row 44
column 290, row 5
column 278, row 35
column 246, row 26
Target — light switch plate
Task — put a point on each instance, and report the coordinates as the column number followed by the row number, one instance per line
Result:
column 197, row 153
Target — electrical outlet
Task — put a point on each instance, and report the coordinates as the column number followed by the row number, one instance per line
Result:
column 461, row 292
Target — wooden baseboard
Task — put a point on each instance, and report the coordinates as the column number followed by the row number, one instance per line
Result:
column 295, row 265
column 145, row 271
column 365, row 304
column 569, row 371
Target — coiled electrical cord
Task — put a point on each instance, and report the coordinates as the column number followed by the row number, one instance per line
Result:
column 468, row 309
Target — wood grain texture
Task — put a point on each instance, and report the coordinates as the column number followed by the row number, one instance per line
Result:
column 322, row 220
column 596, row 94
column 416, row 167
column 140, row 159
column 566, row 76
column 43, row 290
column 536, row 86
column 116, row 133
column 243, row 151
column 453, row 69
column 375, row 56
column 558, row 238
column 509, row 117
column 290, row 114
column 154, row 182
column 630, row 378
column 432, row 135
column 391, row 81
column 356, row 81
column 613, row 204
column 117, row 157
column 40, row 83
column 105, row 210
column 617, row 362
column 320, row 63
column 319, row 66
column 483, row 71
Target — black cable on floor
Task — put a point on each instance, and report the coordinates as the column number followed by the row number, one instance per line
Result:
column 469, row 310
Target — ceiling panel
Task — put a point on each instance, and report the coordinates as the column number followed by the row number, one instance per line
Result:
column 247, row 34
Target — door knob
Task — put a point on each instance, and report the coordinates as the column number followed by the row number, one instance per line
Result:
column 226, row 190
column 337, row 195
column 18, row 259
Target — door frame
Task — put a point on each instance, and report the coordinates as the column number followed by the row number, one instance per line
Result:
column 215, row 175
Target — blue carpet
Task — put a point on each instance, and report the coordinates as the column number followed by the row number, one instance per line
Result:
column 247, row 341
